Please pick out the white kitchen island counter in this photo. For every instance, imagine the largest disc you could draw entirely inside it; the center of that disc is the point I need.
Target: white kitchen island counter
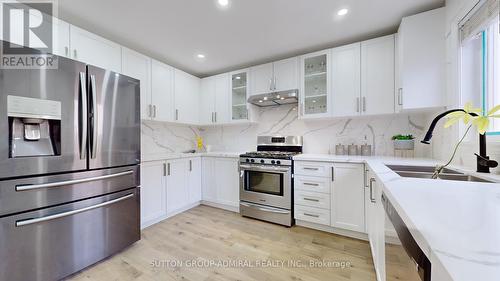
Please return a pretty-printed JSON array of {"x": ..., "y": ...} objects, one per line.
[{"x": 457, "y": 224}]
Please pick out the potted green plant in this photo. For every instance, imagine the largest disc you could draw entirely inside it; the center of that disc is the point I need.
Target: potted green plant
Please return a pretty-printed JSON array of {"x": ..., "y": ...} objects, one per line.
[{"x": 404, "y": 142}]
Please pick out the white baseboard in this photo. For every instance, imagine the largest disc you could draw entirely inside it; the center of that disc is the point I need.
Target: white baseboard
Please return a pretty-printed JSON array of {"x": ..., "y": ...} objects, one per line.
[
  {"x": 226, "y": 207},
  {"x": 325, "y": 228}
]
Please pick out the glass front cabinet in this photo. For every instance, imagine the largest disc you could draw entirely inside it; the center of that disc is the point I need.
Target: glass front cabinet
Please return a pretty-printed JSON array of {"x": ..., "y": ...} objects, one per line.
[
  {"x": 315, "y": 84},
  {"x": 239, "y": 93}
]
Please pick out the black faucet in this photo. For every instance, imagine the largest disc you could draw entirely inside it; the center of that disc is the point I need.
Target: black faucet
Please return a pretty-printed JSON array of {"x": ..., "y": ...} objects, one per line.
[{"x": 483, "y": 161}]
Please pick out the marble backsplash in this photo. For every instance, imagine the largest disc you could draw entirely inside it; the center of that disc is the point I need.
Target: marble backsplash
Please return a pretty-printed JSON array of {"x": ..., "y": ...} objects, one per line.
[{"x": 320, "y": 136}]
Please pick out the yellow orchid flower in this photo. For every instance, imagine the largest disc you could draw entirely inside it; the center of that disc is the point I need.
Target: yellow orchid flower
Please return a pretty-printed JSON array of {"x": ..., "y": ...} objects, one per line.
[{"x": 481, "y": 122}]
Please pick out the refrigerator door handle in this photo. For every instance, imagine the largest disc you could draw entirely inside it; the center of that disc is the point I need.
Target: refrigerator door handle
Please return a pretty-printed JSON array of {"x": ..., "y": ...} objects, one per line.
[
  {"x": 93, "y": 146},
  {"x": 74, "y": 212},
  {"x": 82, "y": 115}
]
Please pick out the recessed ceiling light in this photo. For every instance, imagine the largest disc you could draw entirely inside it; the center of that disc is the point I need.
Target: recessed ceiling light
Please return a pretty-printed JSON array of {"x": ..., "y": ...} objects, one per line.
[
  {"x": 200, "y": 56},
  {"x": 260, "y": 101},
  {"x": 265, "y": 98},
  {"x": 223, "y": 3},
  {"x": 342, "y": 12}
]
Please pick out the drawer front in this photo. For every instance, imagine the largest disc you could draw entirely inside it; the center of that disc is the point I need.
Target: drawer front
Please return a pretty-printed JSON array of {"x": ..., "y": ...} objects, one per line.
[
  {"x": 314, "y": 215},
  {"x": 312, "y": 199},
  {"x": 316, "y": 169},
  {"x": 314, "y": 184}
]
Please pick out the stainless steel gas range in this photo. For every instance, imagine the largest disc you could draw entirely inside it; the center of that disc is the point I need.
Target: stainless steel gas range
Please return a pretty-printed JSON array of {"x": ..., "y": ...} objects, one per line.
[{"x": 266, "y": 186}]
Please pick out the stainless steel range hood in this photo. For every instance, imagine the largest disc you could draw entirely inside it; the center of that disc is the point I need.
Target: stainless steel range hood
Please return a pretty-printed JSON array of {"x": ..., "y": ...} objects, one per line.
[{"x": 275, "y": 98}]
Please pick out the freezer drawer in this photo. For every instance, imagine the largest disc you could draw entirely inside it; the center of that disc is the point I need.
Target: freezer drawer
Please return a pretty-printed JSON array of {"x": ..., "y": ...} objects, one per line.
[
  {"x": 27, "y": 194},
  {"x": 52, "y": 243}
]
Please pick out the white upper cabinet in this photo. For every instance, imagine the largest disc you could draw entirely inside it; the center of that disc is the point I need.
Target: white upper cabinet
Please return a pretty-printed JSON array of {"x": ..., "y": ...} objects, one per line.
[
  {"x": 377, "y": 75},
  {"x": 161, "y": 107},
  {"x": 207, "y": 100},
  {"x": 61, "y": 45},
  {"x": 346, "y": 78},
  {"x": 421, "y": 61},
  {"x": 187, "y": 88},
  {"x": 274, "y": 77},
  {"x": 286, "y": 75},
  {"x": 262, "y": 79},
  {"x": 239, "y": 109},
  {"x": 315, "y": 98},
  {"x": 138, "y": 66},
  {"x": 222, "y": 98},
  {"x": 95, "y": 50}
]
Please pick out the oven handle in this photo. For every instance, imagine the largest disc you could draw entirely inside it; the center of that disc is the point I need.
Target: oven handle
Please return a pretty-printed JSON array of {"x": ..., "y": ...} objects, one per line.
[
  {"x": 74, "y": 212},
  {"x": 264, "y": 168},
  {"x": 264, "y": 209}
]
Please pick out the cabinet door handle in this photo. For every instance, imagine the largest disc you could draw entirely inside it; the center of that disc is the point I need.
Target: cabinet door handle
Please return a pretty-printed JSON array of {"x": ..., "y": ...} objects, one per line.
[
  {"x": 190, "y": 165},
  {"x": 310, "y": 184},
  {"x": 357, "y": 105},
  {"x": 271, "y": 84},
  {"x": 275, "y": 82},
  {"x": 66, "y": 51},
  {"x": 154, "y": 111},
  {"x": 176, "y": 115},
  {"x": 311, "y": 169},
  {"x": 74, "y": 53},
  {"x": 372, "y": 199},
  {"x": 215, "y": 116},
  {"x": 400, "y": 96},
  {"x": 311, "y": 215},
  {"x": 364, "y": 104},
  {"x": 310, "y": 199},
  {"x": 333, "y": 173},
  {"x": 150, "y": 110},
  {"x": 164, "y": 169}
]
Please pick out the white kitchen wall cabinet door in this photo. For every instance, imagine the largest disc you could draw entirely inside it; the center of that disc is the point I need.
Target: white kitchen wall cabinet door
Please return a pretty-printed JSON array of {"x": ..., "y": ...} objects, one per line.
[
  {"x": 286, "y": 74},
  {"x": 222, "y": 98},
  {"x": 239, "y": 110},
  {"x": 378, "y": 75},
  {"x": 61, "y": 37},
  {"x": 194, "y": 180},
  {"x": 93, "y": 49},
  {"x": 209, "y": 186},
  {"x": 348, "y": 197},
  {"x": 177, "y": 190},
  {"x": 346, "y": 80},
  {"x": 138, "y": 66},
  {"x": 161, "y": 106},
  {"x": 315, "y": 86},
  {"x": 153, "y": 193},
  {"x": 207, "y": 101},
  {"x": 227, "y": 181},
  {"x": 421, "y": 61},
  {"x": 186, "y": 91},
  {"x": 261, "y": 79}
]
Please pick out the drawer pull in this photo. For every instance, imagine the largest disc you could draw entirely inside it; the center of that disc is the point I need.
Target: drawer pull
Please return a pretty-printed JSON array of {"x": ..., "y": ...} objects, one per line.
[
  {"x": 311, "y": 184},
  {"x": 311, "y": 215},
  {"x": 311, "y": 169},
  {"x": 310, "y": 199}
]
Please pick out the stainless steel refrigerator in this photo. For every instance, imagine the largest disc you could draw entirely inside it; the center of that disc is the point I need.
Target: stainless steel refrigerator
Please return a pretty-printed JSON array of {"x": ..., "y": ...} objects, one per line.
[{"x": 69, "y": 169}]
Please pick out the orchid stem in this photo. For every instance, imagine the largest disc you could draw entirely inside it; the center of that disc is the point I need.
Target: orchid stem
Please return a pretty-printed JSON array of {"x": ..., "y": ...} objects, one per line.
[{"x": 439, "y": 169}]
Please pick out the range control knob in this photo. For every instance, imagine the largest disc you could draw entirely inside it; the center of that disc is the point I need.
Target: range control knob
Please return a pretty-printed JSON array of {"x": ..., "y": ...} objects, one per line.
[
  {"x": 278, "y": 162},
  {"x": 273, "y": 162},
  {"x": 262, "y": 161},
  {"x": 247, "y": 160},
  {"x": 252, "y": 160}
]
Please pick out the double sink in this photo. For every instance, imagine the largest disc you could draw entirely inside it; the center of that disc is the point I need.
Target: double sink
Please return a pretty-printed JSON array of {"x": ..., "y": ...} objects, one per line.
[{"x": 426, "y": 172}]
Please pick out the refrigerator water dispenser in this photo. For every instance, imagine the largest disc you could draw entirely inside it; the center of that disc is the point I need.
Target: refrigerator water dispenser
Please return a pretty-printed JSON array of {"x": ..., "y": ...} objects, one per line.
[{"x": 34, "y": 127}]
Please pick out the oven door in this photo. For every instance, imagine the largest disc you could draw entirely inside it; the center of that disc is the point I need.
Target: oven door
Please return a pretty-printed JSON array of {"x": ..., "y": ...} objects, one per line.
[{"x": 267, "y": 185}]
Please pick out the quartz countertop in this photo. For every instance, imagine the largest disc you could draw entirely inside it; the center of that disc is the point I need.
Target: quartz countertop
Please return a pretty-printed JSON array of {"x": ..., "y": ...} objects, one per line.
[
  {"x": 180, "y": 155},
  {"x": 457, "y": 224}
]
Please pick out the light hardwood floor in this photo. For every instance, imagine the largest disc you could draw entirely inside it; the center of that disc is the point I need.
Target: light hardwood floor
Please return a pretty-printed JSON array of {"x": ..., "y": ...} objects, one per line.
[{"x": 210, "y": 234}]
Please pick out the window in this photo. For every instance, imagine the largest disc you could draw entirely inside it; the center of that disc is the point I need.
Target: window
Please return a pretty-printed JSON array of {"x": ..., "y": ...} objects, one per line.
[{"x": 480, "y": 59}]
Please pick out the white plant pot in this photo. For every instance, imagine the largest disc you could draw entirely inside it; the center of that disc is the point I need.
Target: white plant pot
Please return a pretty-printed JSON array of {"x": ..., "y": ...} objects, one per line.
[{"x": 404, "y": 144}]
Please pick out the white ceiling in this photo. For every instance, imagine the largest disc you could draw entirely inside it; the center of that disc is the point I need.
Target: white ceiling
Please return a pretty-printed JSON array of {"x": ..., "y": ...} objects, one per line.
[{"x": 249, "y": 32}]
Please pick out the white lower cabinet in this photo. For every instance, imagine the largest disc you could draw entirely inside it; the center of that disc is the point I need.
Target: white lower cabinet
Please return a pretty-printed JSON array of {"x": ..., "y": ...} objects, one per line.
[
  {"x": 169, "y": 187},
  {"x": 221, "y": 181},
  {"x": 348, "y": 197},
  {"x": 375, "y": 224},
  {"x": 331, "y": 194},
  {"x": 153, "y": 193}
]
